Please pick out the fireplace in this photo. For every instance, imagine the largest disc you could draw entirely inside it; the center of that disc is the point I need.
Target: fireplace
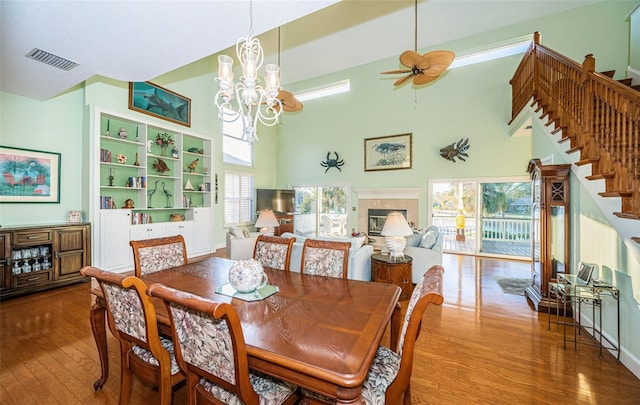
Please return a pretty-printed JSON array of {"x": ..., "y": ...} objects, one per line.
[{"x": 376, "y": 218}]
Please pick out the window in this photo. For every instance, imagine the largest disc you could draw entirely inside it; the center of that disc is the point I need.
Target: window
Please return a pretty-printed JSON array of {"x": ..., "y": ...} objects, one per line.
[
  {"x": 235, "y": 150},
  {"x": 238, "y": 198}
]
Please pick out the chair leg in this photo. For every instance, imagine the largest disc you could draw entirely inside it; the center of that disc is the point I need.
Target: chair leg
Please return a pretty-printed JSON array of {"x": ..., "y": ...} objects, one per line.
[
  {"x": 165, "y": 390},
  {"x": 407, "y": 395},
  {"x": 125, "y": 375}
]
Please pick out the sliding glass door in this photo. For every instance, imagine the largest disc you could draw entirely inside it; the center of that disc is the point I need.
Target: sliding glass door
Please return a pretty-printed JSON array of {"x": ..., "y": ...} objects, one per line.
[
  {"x": 321, "y": 211},
  {"x": 483, "y": 217}
]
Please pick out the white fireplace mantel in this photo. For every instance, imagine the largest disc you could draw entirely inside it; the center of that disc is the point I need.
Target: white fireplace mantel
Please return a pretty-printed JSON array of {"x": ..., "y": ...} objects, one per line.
[{"x": 388, "y": 193}]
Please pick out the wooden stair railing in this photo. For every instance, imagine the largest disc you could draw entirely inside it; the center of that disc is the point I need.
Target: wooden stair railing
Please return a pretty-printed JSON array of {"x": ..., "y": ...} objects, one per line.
[{"x": 598, "y": 115}]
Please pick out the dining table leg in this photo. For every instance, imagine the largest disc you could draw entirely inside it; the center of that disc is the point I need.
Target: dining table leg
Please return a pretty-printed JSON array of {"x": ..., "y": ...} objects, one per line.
[{"x": 100, "y": 335}]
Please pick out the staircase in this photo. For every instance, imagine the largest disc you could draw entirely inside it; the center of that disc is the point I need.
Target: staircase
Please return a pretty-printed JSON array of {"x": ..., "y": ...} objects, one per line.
[{"x": 598, "y": 118}]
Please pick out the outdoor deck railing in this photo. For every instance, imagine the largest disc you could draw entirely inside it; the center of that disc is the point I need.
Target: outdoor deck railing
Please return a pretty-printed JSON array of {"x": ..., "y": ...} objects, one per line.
[{"x": 496, "y": 229}]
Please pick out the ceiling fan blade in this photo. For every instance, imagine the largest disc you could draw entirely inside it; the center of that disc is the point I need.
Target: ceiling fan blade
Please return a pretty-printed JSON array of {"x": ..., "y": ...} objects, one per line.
[
  {"x": 402, "y": 80},
  {"x": 423, "y": 79},
  {"x": 410, "y": 58},
  {"x": 396, "y": 72},
  {"x": 289, "y": 102},
  {"x": 437, "y": 62}
]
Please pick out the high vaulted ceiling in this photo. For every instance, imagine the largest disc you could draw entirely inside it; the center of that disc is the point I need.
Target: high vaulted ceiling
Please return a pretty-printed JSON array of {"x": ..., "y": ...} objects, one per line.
[{"x": 139, "y": 40}]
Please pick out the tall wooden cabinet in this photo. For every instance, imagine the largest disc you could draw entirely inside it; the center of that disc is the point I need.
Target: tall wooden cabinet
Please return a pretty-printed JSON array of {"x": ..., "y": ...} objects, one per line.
[
  {"x": 37, "y": 258},
  {"x": 550, "y": 230}
]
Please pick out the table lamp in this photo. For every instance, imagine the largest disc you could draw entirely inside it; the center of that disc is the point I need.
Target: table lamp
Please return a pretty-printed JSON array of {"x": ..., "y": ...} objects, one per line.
[
  {"x": 394, "y": 230},
  {"x": 266, "y": 222}
]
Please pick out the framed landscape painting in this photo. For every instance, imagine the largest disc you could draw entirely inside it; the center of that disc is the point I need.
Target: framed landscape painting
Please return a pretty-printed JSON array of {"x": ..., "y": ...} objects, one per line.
[
  {"x": 388, "y": 152},
  {"x": 151, "y": 99},
  {"x": 29, "y": 176}
]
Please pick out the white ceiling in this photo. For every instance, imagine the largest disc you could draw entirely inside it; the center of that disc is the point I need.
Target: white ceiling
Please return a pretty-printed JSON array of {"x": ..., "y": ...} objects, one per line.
[{"x": 139, "y": 40}]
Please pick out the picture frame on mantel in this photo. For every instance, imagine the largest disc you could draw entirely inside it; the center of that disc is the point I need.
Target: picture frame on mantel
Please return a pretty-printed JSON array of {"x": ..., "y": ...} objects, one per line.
[
  {"x": 392, "y": 152},
  {"x": 154, "y": 100},
  {"x": 29, "y": 176}
]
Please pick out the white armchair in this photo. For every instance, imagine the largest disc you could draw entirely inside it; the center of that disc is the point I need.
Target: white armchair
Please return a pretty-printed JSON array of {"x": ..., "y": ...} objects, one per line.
[{"x": 240, "y": 247}]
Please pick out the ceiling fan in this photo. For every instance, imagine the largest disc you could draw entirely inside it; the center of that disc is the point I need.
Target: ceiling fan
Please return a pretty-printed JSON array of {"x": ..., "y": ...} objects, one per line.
[
  {"x": 422, "y": 68},
  {"x": 289, "y": 102}
]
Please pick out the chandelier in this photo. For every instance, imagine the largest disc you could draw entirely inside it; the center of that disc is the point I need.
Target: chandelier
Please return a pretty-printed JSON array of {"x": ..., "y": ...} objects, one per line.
[{"x": 253, "y": 102}]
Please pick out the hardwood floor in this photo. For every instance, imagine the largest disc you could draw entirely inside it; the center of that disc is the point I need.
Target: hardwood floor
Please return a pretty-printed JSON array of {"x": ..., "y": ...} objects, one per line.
[{"x": 480, "y": 347}]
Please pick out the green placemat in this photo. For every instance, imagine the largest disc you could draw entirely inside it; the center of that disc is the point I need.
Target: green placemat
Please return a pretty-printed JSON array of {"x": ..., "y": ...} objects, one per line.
[{"x": 259, "y": 294}]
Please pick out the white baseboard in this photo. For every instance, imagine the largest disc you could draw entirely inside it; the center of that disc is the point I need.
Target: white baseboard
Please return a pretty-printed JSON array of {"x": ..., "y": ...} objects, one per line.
[{"x": 627, "y": 359}]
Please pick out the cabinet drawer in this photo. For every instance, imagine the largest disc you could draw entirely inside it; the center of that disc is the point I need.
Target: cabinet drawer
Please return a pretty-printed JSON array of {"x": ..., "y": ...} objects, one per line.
[
  {"x": 29, "y": 238},
  {"x": 32, "y": 278}
]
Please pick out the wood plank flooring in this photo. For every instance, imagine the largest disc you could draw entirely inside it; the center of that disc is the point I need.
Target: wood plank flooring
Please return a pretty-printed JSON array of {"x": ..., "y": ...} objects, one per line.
[{"x": 480, "y": 347}]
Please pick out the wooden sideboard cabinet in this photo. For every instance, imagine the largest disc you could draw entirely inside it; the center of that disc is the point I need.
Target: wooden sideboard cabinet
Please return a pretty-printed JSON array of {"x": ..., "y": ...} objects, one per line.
[{"x": 37, "y": 258}]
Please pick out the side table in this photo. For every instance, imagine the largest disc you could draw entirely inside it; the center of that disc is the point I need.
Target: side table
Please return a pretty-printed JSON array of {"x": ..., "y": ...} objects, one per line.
[{"x": 398, "y": 272}]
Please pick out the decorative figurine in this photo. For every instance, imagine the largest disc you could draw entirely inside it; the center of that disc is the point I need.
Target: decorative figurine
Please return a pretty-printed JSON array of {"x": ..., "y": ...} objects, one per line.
[
  {"x": 456, "y": 150},
  {"x": 174, "y": 152},
  {"x": 329, "y": 163},
  {"x": 122, "y": 133},
  {"x": 110, "y": 177},
  {"x": 193, "y": 165},
  {"x": 188, "y": 186},
  {"x": 150, "y": 194},
  {"x": 149, "y": 143},
  {"x": 121, "y": 158},
  {"x": 128, "y": 203},
  {"x": 160, "y": 166},
  {"x": 205, "y": 170},
  {"x": 136, "y": 163},
  {"x": 168, "y": 194},
  {"x": 107, "y": 133}
]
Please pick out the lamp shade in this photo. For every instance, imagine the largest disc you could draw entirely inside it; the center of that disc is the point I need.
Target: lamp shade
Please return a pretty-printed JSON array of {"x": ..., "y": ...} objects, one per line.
[
  {"x": 266, "y": 219},
  {"x": 396, "y": 225}
]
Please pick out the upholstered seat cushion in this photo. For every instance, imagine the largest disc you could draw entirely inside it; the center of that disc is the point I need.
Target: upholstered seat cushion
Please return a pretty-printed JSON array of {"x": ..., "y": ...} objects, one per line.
[
  {"x": 270, "y": 390},
  {"x": 146, "y": 355},
  {"x": 383, "y": 371}
]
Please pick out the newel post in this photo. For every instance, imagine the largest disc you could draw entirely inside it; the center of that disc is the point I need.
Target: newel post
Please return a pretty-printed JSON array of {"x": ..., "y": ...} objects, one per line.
[{"x": 588, "y": 67}]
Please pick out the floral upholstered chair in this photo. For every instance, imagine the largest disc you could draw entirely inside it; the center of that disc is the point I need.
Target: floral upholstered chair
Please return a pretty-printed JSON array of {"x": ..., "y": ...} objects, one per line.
[
  {"x": 151, "y": 255},
  {"x": 325, "y": 258},
  {"x": 132, "y": 320},
  {"x": 210, "y": 349},
  {"x": 273, "y": 251},
  {"x": 390, "y": 374}
]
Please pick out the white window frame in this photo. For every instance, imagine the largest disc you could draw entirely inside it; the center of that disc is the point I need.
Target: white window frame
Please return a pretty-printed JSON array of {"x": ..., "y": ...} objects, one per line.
[
  {"x": 232, "y": 141},
  {"x": 237, "y": 197}
]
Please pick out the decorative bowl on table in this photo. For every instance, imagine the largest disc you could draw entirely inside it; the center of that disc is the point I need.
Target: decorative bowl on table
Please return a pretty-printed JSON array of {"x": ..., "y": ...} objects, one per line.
[{"x": 246, "y": 276}]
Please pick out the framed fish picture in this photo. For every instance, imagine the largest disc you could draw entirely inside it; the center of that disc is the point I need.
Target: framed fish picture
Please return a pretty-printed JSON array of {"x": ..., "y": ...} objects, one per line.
[
  {"x": 388, "y": 152},
  {"x": 151, "y": 99}
]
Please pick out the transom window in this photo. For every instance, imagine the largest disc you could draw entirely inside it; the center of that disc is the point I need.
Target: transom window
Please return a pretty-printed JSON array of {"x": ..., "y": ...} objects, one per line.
[{"x": 235, "y": 150}]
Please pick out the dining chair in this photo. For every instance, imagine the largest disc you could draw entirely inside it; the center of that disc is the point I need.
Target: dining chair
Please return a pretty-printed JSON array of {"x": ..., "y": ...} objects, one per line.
[
  {"x": 325, "y": 258},
  {"x": 151, "y": 255},
  {"x": 211, "y": 350},
  {"x": 389, "y": 377},
  {"x": 273, "y": 251},
  {"x": 132, "y": 320}
]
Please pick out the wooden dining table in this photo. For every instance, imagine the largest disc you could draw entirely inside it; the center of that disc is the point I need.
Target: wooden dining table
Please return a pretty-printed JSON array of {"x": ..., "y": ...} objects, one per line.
[{"x": 317, "y": 332}]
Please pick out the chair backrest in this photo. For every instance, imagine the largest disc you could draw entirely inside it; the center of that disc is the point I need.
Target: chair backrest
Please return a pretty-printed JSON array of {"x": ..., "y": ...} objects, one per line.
[
  {"x": 427, "y": 291},
  {"x": 208, "y": 341},
  {"x": 273, "y": 251},
  {"x": 325, "y": 258},
  {"x": 151, "y": 255},
  {"x": 131, "y": 315}
]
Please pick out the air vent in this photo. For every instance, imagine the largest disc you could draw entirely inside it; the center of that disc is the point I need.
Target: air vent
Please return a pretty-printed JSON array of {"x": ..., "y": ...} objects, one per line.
[{"x": 51, "y": 59}]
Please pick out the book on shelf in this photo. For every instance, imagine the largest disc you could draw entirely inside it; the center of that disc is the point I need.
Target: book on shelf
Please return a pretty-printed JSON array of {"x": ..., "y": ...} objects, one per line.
[
  {"x": 105, "y": 155},
  {"x": 141, "y": 218},
  {"x": 107, "y": 203}
]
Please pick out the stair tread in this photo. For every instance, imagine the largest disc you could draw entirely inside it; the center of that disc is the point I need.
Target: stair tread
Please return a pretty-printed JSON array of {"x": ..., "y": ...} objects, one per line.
[
  {"x": 608, "y": 73},
  {"x": 636, "y": 239},
  {"x": 615, "y": 194},
  {"x": 586, "y": 162},
  {"x": 626, "y": 82},
  {"x": 601, "y": 176},
  {"x": 628, "y": 215}
]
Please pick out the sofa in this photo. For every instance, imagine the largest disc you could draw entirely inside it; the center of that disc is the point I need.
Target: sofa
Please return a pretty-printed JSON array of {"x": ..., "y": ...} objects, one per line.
[
  {"x": 240, "y": 246},
  {"x": 426, "y": 250},
  {"x": 240, "y": 243}
]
